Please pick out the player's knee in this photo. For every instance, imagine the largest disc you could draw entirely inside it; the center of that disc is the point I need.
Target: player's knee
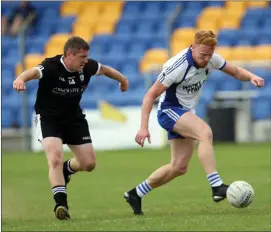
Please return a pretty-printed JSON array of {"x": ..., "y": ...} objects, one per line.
[
  {"x": 179, "y": 170},
  {"x": 55, "y": 162},
  {"x": 89, "y": 166},
  {"x": 207, "y": 134}
]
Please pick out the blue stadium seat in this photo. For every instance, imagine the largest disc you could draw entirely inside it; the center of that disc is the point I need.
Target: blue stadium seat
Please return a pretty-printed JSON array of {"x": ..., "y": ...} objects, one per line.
[
  {"x": 102, "y": 39},
  {"x": 226, "y": 42},
  {"x": 161, "y": 28},
  {"x": 133, "y": 7},
  {"x": 126, "y": 26},
  {"x": 250, "y": 35},
  {"x": 188, "y": 14},
  {"x": 13, "y": 53},
  {"x": 262, "y": 41},
  {"x": 264, "y": 32},
  {"x": 146, "y": 27},
  {"x": 64, "y": 24},
  {"x": 215, "y": 3},
  {"x": 36, "y": 50},
  {"x": 10, "y": 63},
  {"x": 129, "y": 15},
  {"x": 14, "y": 101},
  {"x": 129, "y": 98},
  {"x": 245, "y": 42},
  {"x": 90, "y": 100},
  {"x": 172, "y": 4},
  {"x": 110, "y": 61},
  {"x": 44, "y": 30},
  {"x": 117, "y": 47},
  {"x": 48, "y": 4},
  {"x": 123, "y": 37},
  {"x": 191, "y": 5},
  {"x": 201, "y": 109},
  {"x": 185, "y": 21},
  {"x": 32, "y": 96},
  {"x": 9, "y": 42},
  {"x": 266, "y": 23},
  {"x": 129, "y": 68},
  {"x": 153, "y": 7},
  {"x": 50, "y": 13},
  {"x": 159, "y": 43},
  {"x": 252, "y": 23},
  {"x": 228, "y": 37},
  {"x": 100, "y": 44},
  {"x": 32, "y": 85},
  {"x": 36, "y": 44},
  {"x": 18, "y": 121},
  {"x": 131, "y": 71},
  {"x": 147, "y": 37},
  {"x": 170, "y": 7},
  {"x": 151, "y": 17},
  {"x": 262, "y": 72},
  {"x": 230, "y": 85},
  {"x": 258, "y": 12},
  {"x": 216, "y": 77},
  {"x": 208, "y": 91},
  {"x": 7, "y": 81},
  {"x": 261, "y": 108},
  {"x": 10, "y": 4},
  {"x": 7, "y": 117},
  {"x": 137, "y": 48}
]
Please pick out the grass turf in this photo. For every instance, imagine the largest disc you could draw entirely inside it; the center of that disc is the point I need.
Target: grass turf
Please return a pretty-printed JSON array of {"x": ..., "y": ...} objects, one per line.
[{"x": 96, "y": 199}]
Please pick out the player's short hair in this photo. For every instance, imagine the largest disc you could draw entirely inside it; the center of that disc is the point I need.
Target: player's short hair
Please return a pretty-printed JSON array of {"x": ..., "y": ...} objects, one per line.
[
  {"x": 75, "y": 43},
  {"x": 206, "y": 38}
]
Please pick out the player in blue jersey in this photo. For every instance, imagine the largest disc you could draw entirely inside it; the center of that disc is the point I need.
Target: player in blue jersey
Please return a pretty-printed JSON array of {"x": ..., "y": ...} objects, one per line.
[{"x": 179, "y": 85}]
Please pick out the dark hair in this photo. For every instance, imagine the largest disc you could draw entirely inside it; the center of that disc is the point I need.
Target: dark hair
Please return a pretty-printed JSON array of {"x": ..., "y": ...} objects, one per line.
[{"x": 75, "y": 43}]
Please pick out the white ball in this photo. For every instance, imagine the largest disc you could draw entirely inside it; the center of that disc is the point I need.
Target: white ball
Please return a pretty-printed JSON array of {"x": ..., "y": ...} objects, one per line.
[{"x": 240, "y": 194}]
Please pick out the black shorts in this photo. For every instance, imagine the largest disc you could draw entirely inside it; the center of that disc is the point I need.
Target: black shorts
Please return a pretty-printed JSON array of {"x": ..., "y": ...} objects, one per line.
[{"x": 74, "y": 131}]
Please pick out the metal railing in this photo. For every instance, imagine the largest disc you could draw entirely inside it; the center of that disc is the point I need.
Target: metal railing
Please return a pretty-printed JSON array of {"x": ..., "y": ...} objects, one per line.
[{"x": 24, "y": 99}]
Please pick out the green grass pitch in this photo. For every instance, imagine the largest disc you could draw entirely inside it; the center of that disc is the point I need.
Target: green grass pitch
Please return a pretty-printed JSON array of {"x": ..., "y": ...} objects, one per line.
[{"x": 96, "y": 199}]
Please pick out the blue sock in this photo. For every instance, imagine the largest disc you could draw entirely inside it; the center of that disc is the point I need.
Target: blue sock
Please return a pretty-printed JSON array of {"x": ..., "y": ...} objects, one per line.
[
  {"x": 214, "y": 179},
  {"x": 143, "y": 188}
]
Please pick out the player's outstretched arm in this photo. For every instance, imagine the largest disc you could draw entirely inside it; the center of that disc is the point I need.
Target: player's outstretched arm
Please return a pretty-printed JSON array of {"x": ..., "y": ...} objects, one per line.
[
  {"x": 243, "y": 75},
  {"x": 114, "y": 74},
  {"x": 30, "y": 74},
  {"x": 155, "y": 91}
]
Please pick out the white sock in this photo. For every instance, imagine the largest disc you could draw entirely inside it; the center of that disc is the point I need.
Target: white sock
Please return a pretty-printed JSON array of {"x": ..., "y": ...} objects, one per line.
[
  {"x": 143, "y": 188},
  {"x": 214, "y": 179}
]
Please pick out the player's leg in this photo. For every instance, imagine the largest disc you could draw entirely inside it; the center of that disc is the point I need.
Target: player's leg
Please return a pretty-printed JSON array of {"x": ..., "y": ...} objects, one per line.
[
  {"x": 191, "y": 126},
  {"x": 15, "y": 26},
  {"x": 85, "y": 158},
  {"x": 78, "y": 139},
  {"x": 4, "y": 24},
  {"x": 49, "y": 134},
  {"x": 181, "y": 152},
  {"x": 53, "y": 149}
]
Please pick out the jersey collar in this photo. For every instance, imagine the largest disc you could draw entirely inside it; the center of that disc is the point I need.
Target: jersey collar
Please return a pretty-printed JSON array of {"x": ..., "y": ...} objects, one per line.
[
  {"x": 189, "y": 57},
  {"x": 62, "y": 61}
]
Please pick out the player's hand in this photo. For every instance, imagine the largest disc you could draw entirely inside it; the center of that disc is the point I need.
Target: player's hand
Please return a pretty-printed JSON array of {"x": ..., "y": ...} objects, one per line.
[
  {"x": 257, "y": 81},
  {"x": 19, "y": 85},
  {"x": 142, "y": 134},
  {"x": 124, "y": 85}
]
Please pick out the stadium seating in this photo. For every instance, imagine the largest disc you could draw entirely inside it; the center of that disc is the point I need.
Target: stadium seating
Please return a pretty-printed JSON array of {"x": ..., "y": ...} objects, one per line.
[{"x": 132, "y": 37}]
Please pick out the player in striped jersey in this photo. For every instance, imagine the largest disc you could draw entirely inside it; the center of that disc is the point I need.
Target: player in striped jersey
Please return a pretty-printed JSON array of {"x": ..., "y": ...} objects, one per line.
[{"x": 179, "y": 85}]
